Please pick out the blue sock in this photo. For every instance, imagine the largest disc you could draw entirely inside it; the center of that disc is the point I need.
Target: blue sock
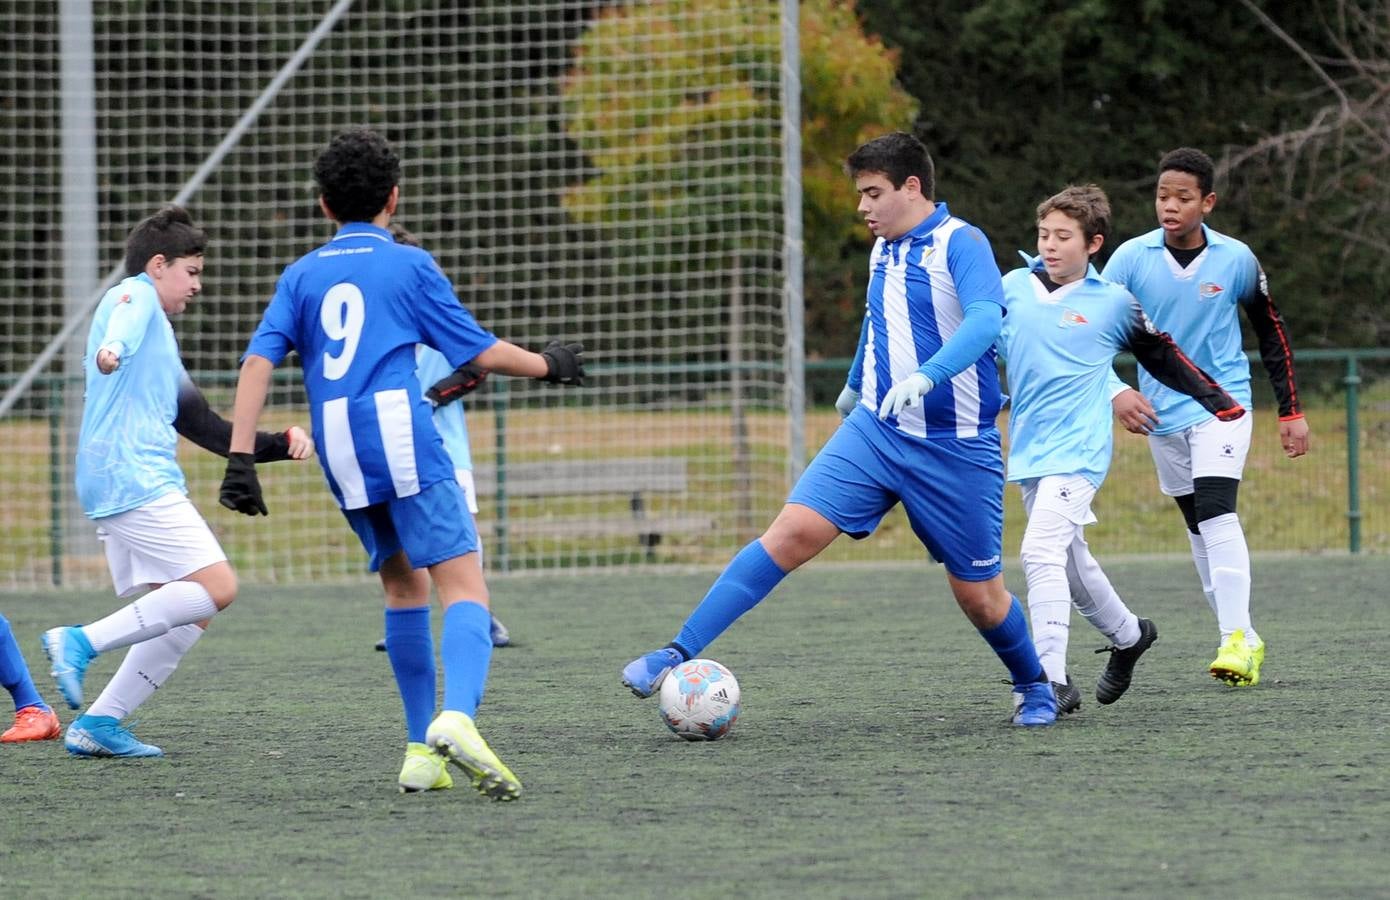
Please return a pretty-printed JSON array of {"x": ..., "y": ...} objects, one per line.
[
  {"x": 14, "y": 674},
  {"x": 750, "y": 576},
  {"x": 1011, "y": 640},
  {"x": 410, "y": 647},
  {"x": 466, "y": 648}
]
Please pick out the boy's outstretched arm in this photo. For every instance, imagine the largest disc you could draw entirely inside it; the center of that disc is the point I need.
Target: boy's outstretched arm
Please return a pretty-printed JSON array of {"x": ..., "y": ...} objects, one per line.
[
  {"x": 558, "y": 363},
  {"x": 241, "y": 490},
  {"x": 200, "y": 423}
]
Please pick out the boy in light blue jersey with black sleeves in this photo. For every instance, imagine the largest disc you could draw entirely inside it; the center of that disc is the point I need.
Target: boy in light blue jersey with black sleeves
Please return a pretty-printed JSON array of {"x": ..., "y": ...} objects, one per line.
[
  {"x": 1191, "y": 280},
  {"x": 922, "y": 398},
  {"x": 1059, "y": 340},
  {"x": 355, "y": 309},
  {"x": 139, "y": 398}
]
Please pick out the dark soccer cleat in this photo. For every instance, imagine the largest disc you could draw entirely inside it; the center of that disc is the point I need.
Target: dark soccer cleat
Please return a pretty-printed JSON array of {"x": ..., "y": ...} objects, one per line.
[
  {"x": 1114, "y": 681},
  {"x": 1068, "y": 697}
]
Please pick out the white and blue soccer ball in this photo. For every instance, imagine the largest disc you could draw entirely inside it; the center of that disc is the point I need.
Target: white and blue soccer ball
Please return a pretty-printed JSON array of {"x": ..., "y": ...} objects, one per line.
[{"x": 700, "y": 700}]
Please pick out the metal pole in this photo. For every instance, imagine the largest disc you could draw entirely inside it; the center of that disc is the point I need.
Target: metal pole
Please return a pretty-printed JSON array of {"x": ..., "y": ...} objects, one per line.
[
  {"x": 793, "y": 304},
  {"x": 1353, "y": 379},
  {"x": 81, "y": 252},
  {"x": 500, "y": 402}
]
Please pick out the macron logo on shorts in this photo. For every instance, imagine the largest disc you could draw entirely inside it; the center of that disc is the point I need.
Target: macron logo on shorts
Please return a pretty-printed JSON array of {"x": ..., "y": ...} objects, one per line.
[{"x": 984, "y": 563}]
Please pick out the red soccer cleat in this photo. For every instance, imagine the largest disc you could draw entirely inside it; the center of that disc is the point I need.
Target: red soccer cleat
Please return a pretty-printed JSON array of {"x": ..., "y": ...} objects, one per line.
[{"x": 33, "y": 723}]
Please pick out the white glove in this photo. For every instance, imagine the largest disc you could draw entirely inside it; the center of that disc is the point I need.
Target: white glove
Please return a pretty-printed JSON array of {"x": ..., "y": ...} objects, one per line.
[
  {"x": 908, "y": 392},
  {"x": 847, "y": 401}
]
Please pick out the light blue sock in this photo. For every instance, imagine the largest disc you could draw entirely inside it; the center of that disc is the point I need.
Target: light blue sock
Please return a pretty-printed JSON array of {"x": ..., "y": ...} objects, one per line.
[
  {"x": 1011, "y": 640},
  {"x": 14, "y": 673},
  {"x": 750, "y": 576},
  {"x": 466, "y": 649},
  {"x": 410, "y": 647}
]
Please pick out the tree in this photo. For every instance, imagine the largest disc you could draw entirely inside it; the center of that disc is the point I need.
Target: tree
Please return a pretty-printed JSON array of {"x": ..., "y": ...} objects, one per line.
[
  {"x": 1020, "y": 97},
  {"x": 674, "y": 103}
]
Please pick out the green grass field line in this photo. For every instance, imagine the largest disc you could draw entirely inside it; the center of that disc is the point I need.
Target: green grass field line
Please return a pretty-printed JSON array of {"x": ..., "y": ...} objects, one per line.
[{"x": 871, "y": 760}]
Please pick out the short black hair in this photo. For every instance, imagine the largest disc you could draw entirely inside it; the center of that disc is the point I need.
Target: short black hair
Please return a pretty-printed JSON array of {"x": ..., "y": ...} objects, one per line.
[
  {"x": 170, "y": 233},
  {"x": 898, "y": 156},
  {"x": 1194, "y": 162},
  {"x": 356, "y": 173}
]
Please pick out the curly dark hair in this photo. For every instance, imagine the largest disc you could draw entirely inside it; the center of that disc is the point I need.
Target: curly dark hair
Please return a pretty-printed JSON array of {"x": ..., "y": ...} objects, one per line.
[
  {"x": 356, "y": 174},
  {"x": 1194, "y": 162},
  {"x": 170, "y": 233},
  {"x": 897, "y": 155}
]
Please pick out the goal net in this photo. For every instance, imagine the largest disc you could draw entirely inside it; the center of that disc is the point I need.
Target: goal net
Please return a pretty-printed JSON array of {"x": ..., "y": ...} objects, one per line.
[{"x": 596, "y": 171}]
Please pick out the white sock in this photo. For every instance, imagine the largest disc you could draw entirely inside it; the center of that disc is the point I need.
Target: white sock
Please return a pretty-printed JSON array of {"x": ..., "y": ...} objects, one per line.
[
  {"x": 1096, "y": 598},
  {"x": 1230, "y": 571},
  {"x": 146, "y": 667},
  {"x": 1049, "y": 603},
  {"x": 177, "y": 603},
  {"x": 1199, "y": 559}
]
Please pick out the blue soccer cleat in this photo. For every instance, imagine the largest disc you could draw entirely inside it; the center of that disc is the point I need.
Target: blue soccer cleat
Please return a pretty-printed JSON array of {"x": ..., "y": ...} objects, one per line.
[
  {"x": 103, "y": 736},
  {"x": 500, "y": 636},
  {"x": 645, "y": 674},
  {"x": 1034, "y": 704},
  {"x": 68, "y": 649}
]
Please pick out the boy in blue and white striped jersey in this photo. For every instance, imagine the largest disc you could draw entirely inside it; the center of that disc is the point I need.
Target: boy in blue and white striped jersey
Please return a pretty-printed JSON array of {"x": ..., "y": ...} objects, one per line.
[
  {"x": 920, "y": 405},
  {"x": 1059, "y": 340}
]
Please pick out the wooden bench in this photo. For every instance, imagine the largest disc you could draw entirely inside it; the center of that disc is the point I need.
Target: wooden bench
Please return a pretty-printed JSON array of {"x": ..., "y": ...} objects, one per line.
[{"x": 633, "y": 477}]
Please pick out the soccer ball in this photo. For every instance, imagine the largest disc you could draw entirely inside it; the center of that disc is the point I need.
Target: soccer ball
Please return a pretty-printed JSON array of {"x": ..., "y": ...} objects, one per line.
[{"x": 700, "y": 700}]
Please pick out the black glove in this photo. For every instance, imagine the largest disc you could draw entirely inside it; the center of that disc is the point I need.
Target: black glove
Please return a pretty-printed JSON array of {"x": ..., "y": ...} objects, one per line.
[
  {"x": 564, "y": 363},
  {"x": 241, "y": 490},
  {"x": 463, "y": 380}
]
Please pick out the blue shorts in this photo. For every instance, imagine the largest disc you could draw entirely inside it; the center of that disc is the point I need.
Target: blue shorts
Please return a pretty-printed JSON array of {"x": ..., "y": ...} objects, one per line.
[
  {"x": 431, "y": 526},
  {"x": 951, "y": 489}
]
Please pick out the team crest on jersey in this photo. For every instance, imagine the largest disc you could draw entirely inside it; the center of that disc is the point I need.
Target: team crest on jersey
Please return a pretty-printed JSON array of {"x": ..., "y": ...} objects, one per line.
[
  {"x": 1209, "y": 290},
  {"x": 124, "y": 298},
  {"x": 1071, "y": 319}
]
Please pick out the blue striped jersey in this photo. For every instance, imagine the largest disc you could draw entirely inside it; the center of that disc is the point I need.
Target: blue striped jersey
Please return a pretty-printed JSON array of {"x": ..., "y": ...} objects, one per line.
[
  {"x": 127, "y": 446},
  {"x": 1197, "y": 305},
  {"x": 354, "y": 309},
  {"x": 919, "y": 286}
]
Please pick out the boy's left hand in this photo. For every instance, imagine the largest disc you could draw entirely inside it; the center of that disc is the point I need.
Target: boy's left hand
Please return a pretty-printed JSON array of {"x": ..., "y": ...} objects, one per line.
[
  {"x": 301, "y": 444},
  {"x": 241, "y": 489}
]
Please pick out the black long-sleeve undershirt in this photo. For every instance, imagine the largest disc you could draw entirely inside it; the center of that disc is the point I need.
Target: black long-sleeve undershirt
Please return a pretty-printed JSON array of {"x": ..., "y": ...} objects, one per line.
[{"x": 197, "y": 421}]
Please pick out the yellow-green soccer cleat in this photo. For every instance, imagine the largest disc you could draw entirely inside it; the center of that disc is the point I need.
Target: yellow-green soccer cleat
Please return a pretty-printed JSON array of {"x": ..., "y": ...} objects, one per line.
[
  {"x": 1238, "y": 661},
  {"x": 424, "y": 770},
  {"x": 454, "y": 737}
]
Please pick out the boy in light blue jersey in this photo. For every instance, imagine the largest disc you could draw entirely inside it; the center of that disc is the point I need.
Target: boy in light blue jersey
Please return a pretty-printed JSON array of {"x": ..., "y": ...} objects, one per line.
[
  {"x": 1190, "y": 280},
  {"x": 1059, "y": 340},
  {"x": 920, "y": 406},
  {"x": 355, "y": 309},
  {"x": 139, "y": 398}
]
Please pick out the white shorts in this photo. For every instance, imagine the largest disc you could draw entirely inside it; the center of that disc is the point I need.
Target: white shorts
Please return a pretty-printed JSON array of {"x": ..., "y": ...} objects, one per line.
[
  {"x": 163, "y": 541},
  {"x": 470, "y": 493},
  {"x": 1069, "y": 496},
  {"x": 1210, "y": 449}
]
